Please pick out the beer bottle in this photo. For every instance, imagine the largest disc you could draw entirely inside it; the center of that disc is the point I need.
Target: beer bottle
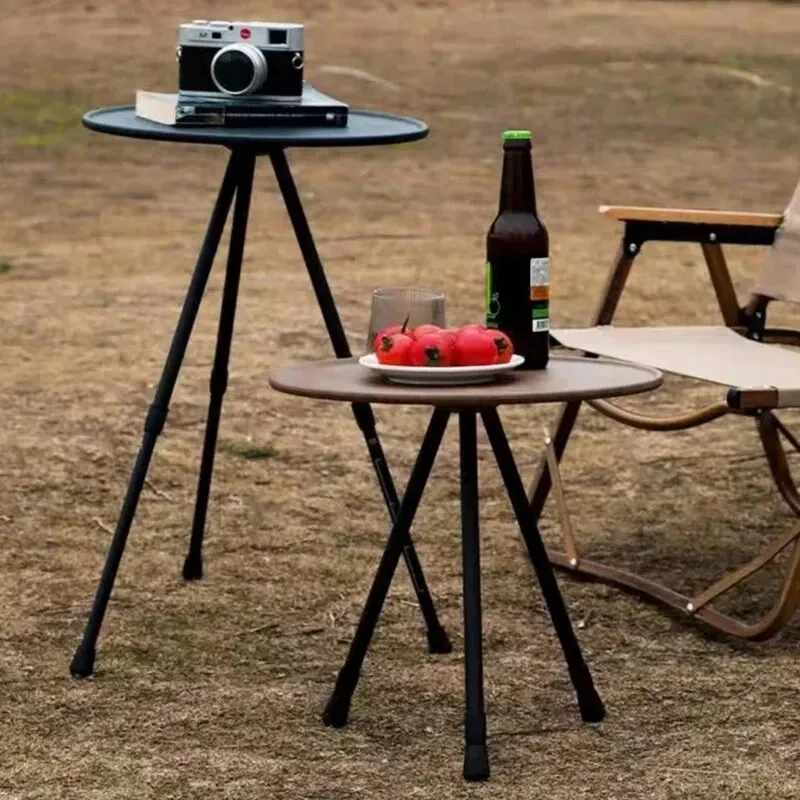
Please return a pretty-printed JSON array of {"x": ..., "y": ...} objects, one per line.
[{"x": 517, "y": 258}]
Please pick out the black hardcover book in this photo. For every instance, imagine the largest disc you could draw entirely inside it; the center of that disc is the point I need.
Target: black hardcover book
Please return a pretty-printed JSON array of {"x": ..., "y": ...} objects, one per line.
[{"x": 183, "y": 109}]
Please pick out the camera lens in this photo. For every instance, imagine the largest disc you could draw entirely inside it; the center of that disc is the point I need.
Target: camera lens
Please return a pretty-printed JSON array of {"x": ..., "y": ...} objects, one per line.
[{"x": 239, "y": 69}]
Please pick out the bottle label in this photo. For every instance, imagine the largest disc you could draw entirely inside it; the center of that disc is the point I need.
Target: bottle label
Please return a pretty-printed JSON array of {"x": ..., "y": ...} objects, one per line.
[
  {"x": 517, "y": 295},
  {"x": 540, "y": 294}
]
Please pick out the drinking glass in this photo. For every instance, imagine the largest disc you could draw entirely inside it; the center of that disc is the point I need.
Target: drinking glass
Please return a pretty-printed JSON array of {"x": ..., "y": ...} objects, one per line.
[{"x": 393, "y": 306}]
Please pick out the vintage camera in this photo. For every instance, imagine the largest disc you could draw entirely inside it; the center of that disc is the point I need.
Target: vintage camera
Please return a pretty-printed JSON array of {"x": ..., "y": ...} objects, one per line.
[{"x": 243, "y": 60}]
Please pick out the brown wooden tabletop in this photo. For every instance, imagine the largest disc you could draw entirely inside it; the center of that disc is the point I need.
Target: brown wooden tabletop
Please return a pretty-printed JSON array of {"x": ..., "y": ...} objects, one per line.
[{"x": 565, "y": 378}]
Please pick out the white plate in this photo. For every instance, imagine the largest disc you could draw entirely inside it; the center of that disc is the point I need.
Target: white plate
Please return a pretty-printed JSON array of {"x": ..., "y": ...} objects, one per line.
[{"x": 439, "y": 376}]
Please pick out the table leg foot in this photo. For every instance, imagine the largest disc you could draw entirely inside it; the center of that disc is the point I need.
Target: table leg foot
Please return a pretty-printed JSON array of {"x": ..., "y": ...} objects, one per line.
[
  {"x": 476, "y": 762},
  {"x": 438, "y": 641},
  {"x": 82, "y": 665},
  {"x": 193, "y": 567},
  {"x": 590, "y": 704},
  {"x": 337, "y": 710}
]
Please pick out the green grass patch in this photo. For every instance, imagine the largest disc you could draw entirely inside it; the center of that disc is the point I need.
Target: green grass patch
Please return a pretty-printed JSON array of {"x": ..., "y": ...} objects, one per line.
[
  {"x": 5, "y": 267},
  {"x": 248, "y": 451},
  {"x": 37, "y": 120}
]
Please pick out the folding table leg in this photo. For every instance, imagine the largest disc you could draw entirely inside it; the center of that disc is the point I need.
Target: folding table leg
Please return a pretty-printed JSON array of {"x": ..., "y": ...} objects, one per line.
[
  {"x": 83, "y": 661},
  {"x": 338, "y": 707},
  {"x": 589, "y": 702},
  {"x": 193, "y": 564},
  {"x": 438, "y": 641},
  {"x": 476, "y": 758}
]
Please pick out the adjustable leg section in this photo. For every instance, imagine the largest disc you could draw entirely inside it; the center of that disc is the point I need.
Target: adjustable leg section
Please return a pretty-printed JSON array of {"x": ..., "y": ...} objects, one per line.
[
  {"x": 338, "y": 707},
  {"x": 438, "y": 641},
  {"x": 589, "y": 702},
  {"x": 476, "y": 757},
  {"x": 83, "y": 662},
  {"x": 193, "y": 565}
]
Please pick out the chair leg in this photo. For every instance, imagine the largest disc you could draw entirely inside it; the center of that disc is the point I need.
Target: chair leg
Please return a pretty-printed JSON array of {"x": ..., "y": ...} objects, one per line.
[
  {"x": 788, "y": 435},
  {"x": 698, "y": 607},
  {"x": 786, "y": 606},
  {"x": 193, "y": 564},
  {"x": 589, "y": 702},
  {"x": 766, "y": 627},
  {"x": 723, "y": 286},
  {"x": 543, "y": 481}
]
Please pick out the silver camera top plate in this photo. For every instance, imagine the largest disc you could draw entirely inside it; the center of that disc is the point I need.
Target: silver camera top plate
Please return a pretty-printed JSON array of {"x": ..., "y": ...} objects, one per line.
[{"x": 263, "y": 35}]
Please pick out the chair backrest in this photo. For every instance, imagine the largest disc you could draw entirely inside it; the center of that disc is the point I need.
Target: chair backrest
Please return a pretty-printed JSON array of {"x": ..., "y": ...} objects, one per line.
[{"x": 780, "y": 273}]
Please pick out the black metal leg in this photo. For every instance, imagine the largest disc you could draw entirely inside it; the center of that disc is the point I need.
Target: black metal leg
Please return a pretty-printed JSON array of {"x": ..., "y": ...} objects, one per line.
[
  {"x": 476, "y": 758},
  {"x": 438, "y": 641},
  {"x": 338, "y": 707},
  {"x": 193, "y": 565},
  {"x": 83, "y": 661},
  {"x": 589, "y": 702}
]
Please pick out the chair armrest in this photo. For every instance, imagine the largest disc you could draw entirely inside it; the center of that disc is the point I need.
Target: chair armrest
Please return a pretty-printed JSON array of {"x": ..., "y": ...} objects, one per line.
[
  {"x": 742, "y": 399},
  {"x": 691, "y": 216}
]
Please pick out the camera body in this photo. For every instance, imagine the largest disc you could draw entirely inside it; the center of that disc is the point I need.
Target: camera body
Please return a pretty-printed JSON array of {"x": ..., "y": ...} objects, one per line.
[{"x": 254, "y": 61}]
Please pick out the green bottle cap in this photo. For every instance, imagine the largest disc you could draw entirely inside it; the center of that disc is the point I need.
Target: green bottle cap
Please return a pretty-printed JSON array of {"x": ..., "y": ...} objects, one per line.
[{"x": 509, "y": 136}]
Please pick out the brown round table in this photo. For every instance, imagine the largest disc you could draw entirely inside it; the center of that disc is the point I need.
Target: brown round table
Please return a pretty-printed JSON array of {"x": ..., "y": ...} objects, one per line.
[{"x": 566, "y": 378}]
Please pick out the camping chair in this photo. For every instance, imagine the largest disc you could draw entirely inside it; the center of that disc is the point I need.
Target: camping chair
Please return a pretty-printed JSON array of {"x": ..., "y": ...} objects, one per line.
[{"x": 759, "y": 379}]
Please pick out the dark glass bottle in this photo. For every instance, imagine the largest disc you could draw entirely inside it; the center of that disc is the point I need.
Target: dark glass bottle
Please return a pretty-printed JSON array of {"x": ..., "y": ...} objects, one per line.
[{"x": 518, "y": 258}]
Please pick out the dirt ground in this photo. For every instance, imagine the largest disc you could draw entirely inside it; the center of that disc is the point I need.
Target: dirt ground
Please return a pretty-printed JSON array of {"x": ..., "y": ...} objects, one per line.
[{"x": 215, "y": 689}]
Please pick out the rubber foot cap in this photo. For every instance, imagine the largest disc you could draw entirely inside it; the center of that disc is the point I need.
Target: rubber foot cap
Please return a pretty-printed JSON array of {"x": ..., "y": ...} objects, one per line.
[{"x": 476, "y": 763}]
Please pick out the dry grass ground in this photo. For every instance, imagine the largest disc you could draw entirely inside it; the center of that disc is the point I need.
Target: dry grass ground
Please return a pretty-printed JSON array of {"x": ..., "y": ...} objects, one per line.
[{"x": 215, "y": 689}]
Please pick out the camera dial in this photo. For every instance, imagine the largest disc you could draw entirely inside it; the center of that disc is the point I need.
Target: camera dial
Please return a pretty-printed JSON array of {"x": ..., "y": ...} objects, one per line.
[{"x": 238, "y": 69}]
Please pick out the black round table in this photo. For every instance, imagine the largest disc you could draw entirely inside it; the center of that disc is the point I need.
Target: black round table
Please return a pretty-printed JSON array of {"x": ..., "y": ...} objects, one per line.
[{"x": 364, "y": 128}]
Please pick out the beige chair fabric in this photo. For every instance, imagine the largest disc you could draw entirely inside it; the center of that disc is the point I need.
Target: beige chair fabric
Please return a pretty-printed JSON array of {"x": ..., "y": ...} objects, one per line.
[
  {"x": 708, "y": 353},
  {"x": 780, "y": 275}
]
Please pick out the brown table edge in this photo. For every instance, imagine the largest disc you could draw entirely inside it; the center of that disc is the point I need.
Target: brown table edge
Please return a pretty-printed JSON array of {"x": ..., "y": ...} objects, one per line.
[{"x": 655, "y": 382}]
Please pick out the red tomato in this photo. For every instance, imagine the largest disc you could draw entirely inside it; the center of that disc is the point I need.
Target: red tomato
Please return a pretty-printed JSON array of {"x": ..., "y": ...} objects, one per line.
[
  {"x": 473, "y": 326},
  {"x": 421, "y": 330},
  {"x": 451, "y": 335},
  {"x": 432, "y": 350},
  {"x": 503, "y": 345},
  {"x": 474, "y": 348},
  {"x": 394, "y": 349},
  {"x": 390, "y": 331}
]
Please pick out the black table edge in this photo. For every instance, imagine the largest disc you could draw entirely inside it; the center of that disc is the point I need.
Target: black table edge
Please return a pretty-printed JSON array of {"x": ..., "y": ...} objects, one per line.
[{"x": 194, "y": 135}]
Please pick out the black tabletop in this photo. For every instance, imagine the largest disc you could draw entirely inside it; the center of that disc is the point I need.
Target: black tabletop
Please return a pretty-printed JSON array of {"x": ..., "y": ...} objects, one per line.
[{"x": 363, "y": 128}]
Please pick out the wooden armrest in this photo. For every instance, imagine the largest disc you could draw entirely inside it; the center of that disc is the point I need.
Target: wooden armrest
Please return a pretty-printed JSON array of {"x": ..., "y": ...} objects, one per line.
[
  {"x": 743, "y": 399},
  {"x": 691, "y": 215}
]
